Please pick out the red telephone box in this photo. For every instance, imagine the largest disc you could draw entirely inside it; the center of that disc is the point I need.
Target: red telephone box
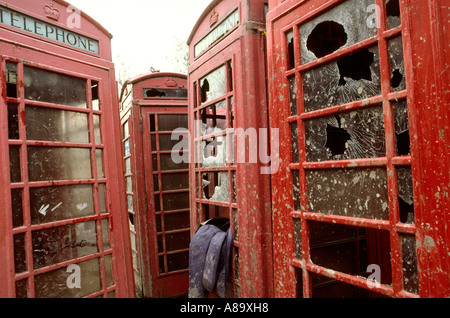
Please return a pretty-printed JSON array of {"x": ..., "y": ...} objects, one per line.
[
  {"x": 228, "y": 123},
  {"x": 61, "y": 232},
  {"x": 359, "y": 95},
  {"x": 154, "y": 120}
]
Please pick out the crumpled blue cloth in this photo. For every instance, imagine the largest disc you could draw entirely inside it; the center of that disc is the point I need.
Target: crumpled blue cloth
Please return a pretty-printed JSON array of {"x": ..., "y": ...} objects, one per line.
[{"x": 209, "y": 259}]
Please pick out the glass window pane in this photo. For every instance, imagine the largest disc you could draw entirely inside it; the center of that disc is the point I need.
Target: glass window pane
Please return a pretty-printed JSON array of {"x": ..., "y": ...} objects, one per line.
[
  {"x": 352, "y": 135},
  {"x": 13, "y": 121},
  {"x": 97, "y": 130},
  {"x": 17, "y": 208},
  {"x": 58, "y": 203},
  {"x": 176, "y": 221},
  {"x": 350, "y": 78},
  {"x": 177, "y": 241},
  {"x": 99, "y": 156},
  {"x": 393, "y": 13},
  {"x": 14, "y": 163},
  {"x": 410, "y": 271},
  {"x": 402, "y": 128},
  {"x": 20, "y": 261},
  {"x": 45, "y": 86},
  {"x": 358, "y": 193},
  {"x": 55, "y": 284},
  {"x": 63, "y": 243},
  {"x": 11, "y": 80},
  {"x": 168, "y": 164},
  {"x": 56, "y": 125},
  {"x": 176, "y": 201},
  {"x": 177, "y": 261},
  {"x": 101, "y": 190},
  {"x": 50, "y": 163},
  {"x": 175, "y": 181},
  {"x": 172, "y": 122},
  {"x": 213, "y": 85},
  {"x": 405, "y": 194},
  {"x": 105, "y": 234},
  {"x": 395, "y": 49},
  {"x": 346, "y": 24}
]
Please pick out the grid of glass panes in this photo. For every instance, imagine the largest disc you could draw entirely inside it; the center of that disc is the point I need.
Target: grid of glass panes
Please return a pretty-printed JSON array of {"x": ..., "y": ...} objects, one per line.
[
  {"x": 57, "y": 185},
  {"x": 351, "y": 162},
  {"x": 171, "y": 191},
  {"x": 214, "y": 145}
]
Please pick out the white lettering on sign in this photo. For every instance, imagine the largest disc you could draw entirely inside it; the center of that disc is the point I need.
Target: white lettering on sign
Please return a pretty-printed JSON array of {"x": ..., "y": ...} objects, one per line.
[{"x": 49, "y": 31}]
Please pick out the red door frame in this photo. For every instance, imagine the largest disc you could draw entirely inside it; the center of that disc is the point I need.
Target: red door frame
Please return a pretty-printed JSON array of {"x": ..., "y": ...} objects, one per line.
[
  {"x": 32, "y": 50},
  {"x": 425, "y": 47},
  {"x": 136, "y": 109},
  {"x": 248, "y": 206}
]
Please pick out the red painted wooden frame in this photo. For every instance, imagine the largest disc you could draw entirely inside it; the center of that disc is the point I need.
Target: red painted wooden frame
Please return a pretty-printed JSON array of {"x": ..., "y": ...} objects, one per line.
[{"x": 425, "y": 55}]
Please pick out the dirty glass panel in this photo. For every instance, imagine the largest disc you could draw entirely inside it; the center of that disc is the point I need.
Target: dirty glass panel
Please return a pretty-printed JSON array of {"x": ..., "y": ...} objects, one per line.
[
  {"x": 346, "y": 24},
  {"x": 401, "y": 122},
  {"x": 410, "y": 272},
  {"x": 234, "y": 215},
  {"x": 395, "y": 50},
  {"x": 177, "y": 241},
  {"x": 393, "y": 13},
  {"x": 11, "y": 80},
  {"x": 45, "y": 86},
  {"x": 172, "y": 122},
  {"x": 355, "y": 192},
  {"x": 20, "y": 261},
  {"x": 157, "y": 203},
  {"x": 14, "y": 163},
  {"x": 234, "y": 188},
  {"x": 99, "y": 158},
  {"x": 176, "y": 201},
  {"x": 63, "y": 243},
  {"x": 296, "y": 189},
  {"x": 168, "y": 141},
  {"x": 97, "y": 130},
  {"x": 176, "y": 221},
  {"x": 405, "y": 194},
  {"x": 350, "y": 78},
  {"x": 102, "y": 198},
  {"x": 13, "y": 121},
  {"x": 17, "y": 208},
  {"x": 22, "y": 288},
  {"x": 108, "y": 270},
  {"x": 297, "y": 226},
  {"x": 56, "y": 125},
  {"x": 105, "y": 234},
  {"x": 177, "y": 261},
  {"x": 56, "y": 203},
  {"x": 293, "y": 95},
  {"x": 294, "y": 142},
  {"x": 51, "y": 163},
  {"x": 175, "y": 181},
  {"x": 213, "y": 85},
  {"x": 55, "y": 284},
  {"x": 168, "y": 164},
  {"x": 352, "y": 135}
]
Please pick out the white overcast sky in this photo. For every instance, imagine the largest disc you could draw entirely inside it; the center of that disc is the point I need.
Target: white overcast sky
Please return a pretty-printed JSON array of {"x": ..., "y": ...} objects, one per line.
[{"x": 145, "y": 32}]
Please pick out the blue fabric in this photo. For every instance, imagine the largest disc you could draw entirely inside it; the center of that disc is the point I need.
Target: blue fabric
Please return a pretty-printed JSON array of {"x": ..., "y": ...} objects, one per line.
[{"x": 209, "y": 260}]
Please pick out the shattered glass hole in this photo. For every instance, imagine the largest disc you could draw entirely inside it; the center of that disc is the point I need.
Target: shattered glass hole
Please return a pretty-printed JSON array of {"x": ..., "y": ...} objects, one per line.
[
  {"x": 290, "y": 47},
  {"x": 403, "y": 143},
  {"x": 350, "y": 78},
  {"x": 327, "y": 37},
  {"x": 405, "y": 195},
  {"x": 392, "y": 13},
  {"x": 351, "y": 135},
  {"x": 395, "y": 48}
]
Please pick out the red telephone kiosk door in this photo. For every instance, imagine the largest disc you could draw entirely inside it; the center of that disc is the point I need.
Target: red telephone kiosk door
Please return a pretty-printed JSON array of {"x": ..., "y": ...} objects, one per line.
[
  {"x": 61, "y": 203},
  {"x": 360, "y": 200}
]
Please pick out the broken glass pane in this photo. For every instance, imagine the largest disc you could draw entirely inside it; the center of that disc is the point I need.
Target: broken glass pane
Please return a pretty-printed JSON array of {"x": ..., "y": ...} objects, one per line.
[
  {"x": 290, "y": 47},
  {"x": 401, "y": 123},
  {"x": 213, "y": 85},
  {"x": 213, "y": 118},
  {"x": 50, "y": 204},
  {"x": 410, "y": 273},
  {"x": 350, "y": 78},
  {"x": 395, "y": 49},
  {"x": 351, "y": 135},
  {"x": 56, "y": 125},
  {"x": 214, "y": 152},
  {"x": 45, "y": 86},
  {"x": 346, "y": 24},
  {"x": 222, "y": 189},
  {"x": 360, "y": 193},
  {"x": 392, "y": 13},
  {"x": 405, "y": 194},
  {"x": 11, "y": 80}
]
